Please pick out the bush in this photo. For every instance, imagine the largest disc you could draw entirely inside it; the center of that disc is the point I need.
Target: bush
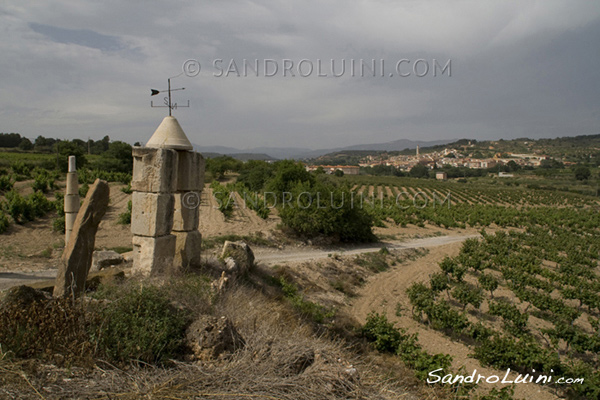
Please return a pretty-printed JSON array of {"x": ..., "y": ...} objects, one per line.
[
  {"x": 3, "y": 222},
  {"x": 125, "y": 218},
  {"x": 314, "y": 311},
  {"x": 388, "y": 339},
  {"x": 141, "y": 325},
  {"x": 23, "y": 209},
  {"x": 6, "y": 183},
  {"x": 326, "y": 210},
  {"x": 20, "y": 168},
  {"x": 43, "y": 181},
  {"x": 224, "y": 198},
  {"x": 58, "y": 225}
]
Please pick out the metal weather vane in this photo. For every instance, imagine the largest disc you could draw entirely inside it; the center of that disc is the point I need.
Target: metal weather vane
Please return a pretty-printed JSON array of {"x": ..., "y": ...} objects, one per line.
[{"x": 167, "y": 99}]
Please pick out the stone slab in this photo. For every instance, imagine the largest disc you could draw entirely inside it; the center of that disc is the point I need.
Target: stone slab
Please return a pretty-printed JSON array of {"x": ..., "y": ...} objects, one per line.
[
  {"x": 190, "y": 172},
  {"x": 151, "y": 214},
  {"x": 187, "y": 250},
  {"x": 154, "y": 170},
  {"x": 153, "y": 256},
  {"x": 186, "y": 213}
]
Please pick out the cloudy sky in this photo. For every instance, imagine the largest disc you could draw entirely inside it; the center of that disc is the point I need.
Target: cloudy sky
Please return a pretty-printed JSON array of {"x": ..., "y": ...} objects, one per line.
[{"x": 517, "y": 69}]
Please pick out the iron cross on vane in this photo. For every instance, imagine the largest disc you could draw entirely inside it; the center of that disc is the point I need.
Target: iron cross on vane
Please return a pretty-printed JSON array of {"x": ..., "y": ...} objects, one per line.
[{"x": 167, "y": 100}]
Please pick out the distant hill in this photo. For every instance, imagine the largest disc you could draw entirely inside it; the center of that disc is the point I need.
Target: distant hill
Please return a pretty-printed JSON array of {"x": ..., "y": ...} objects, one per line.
[
  {"x": 240, "y": 156},
  {"x": 304, "y": 153}
]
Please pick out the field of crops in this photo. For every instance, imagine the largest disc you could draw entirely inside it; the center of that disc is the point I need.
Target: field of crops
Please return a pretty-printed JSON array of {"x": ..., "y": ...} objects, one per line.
[{"x": 527, "y": 299}]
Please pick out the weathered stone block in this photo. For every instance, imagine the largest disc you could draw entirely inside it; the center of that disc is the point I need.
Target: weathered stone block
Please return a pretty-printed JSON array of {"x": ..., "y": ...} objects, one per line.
[
  {"x": 71, "y": 203},
  {"x": 72, "y": 183},
  {"x": 70, "y": 219},
  {"x": 151, "y": 214},
  {"x": 190, "y": 172},
  {"x": 153, "y": 255},
  {"x": 154, "y": 170},
  {"x": 238, "y": 256},
  {"x": 187, "y": 250},
  {"x": 105, "y": 258},
  {"x": 186, "y": 212},
  {"x": 77, "y": 256}
]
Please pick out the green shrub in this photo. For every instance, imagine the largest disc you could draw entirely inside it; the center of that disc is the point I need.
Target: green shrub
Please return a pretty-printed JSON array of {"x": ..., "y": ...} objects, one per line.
[
  {"x": 140, "y": 324},
  {"x": 6, "y": 183},
  {"x": 314, "y": 311},
  {"x": 224, "y": 198},
  {"x": 58, "y": 225},
  {"x": 23, "y": 209},
  {"x": 326, "y": 210},
  {"x": 20, "y": 168},
  {"x": 127, "y": 189},
  {"x": 83, "y": 189},
  {"x": 388, "y": 339},
  {"x": 3, "y": 222},
  {"x": 374, "y": 262},
  {"x": 125, "y": 218}
]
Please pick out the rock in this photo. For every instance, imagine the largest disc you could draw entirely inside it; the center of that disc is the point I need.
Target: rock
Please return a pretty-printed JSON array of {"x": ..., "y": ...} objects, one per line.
[
  {"x": 153, "y": 255},
  {"x": 151, "y": 214},
  {"x": 210, "y": 338},
  {"x": 23, "y": 296},
  {"x": 187, "y": 250},
  {"x": 186, "y": 213},
  {"x": 219, "y": 285},
  {"x": 190, "y": 171},
  {"x": 77, "y": 256},
  {"x": 105, "y": 258},
  {"x": 154, "y": 170},
  {"x": 231, "y": 266},
  {"x": 241, "y": 254}
]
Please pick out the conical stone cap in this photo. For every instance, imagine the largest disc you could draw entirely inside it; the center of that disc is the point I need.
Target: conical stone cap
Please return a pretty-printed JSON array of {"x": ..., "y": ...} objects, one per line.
[{"x": 169, "y": 135}]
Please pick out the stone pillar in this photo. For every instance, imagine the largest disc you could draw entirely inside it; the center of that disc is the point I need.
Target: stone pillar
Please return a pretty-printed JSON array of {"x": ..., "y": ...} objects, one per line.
[
  {"x": 190, "y": 181},
  {"x": 153, "y": 183},
  {"x": 71, "y": 199}
]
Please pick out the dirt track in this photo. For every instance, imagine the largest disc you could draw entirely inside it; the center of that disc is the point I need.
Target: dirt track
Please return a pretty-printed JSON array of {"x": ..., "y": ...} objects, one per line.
[{"x": 264, "y": 256}]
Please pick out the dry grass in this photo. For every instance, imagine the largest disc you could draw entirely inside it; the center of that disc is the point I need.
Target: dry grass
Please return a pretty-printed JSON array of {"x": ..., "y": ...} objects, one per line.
[{"x": 282, "y": 359}]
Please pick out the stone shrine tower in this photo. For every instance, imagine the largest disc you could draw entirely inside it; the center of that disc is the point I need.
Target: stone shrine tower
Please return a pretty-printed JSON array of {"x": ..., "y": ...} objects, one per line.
[{"x": 168, "y": 177}]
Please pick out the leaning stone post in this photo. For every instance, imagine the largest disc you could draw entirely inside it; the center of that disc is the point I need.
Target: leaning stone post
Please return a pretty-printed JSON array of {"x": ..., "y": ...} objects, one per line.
[
  {"x": 71, "y": 199},
  {"x": 77, "y": 256}
]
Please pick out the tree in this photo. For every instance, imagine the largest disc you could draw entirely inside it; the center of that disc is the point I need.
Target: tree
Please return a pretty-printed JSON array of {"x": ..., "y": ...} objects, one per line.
[
  {"x": 289, "y": 174},
  {"x": 513, "y": 166},
  {"x": 339, "y": 173},
  {"x": 66, "y": 149},
  {"x": 255, "y": 174},
  {"x": 582, "y": 173},
  {"x": 325, "y": 210},
  {"x": 25, "y": 144},
  {"x": 419, "y": 171},
  {"x": 10, "y": 140},
  {"x": 218, "y": 166}
]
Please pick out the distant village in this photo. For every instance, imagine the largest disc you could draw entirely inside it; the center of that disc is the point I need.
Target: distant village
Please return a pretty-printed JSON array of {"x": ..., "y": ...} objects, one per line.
[{"x": 436, "y": 159}]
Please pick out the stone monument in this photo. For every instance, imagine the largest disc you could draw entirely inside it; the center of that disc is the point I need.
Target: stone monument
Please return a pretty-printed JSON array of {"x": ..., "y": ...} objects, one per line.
[{"x": 168, "y": 177}]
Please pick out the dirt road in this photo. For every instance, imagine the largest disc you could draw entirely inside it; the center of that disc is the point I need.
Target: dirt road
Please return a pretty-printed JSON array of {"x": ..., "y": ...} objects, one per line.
[{"x": 264, "y": 256}]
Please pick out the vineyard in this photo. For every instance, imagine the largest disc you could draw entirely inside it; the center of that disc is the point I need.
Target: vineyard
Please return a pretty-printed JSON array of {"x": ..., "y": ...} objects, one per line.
[
  {"x": 526, "y": 300},
  {"x": 452, "y": 204}
]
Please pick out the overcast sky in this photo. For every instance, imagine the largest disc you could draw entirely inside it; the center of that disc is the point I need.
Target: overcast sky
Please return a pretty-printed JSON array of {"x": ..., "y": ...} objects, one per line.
[{"x": 517, "y": 69}]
